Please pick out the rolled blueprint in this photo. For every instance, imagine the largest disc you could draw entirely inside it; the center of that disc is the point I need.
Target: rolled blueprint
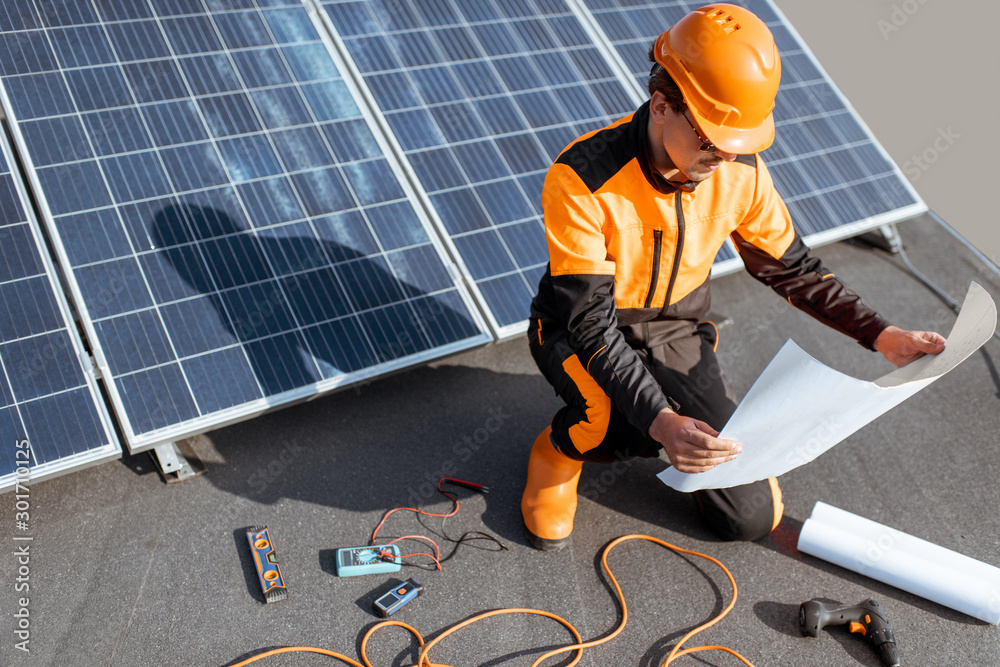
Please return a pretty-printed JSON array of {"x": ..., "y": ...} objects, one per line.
[{"x": 904, "y": 561}]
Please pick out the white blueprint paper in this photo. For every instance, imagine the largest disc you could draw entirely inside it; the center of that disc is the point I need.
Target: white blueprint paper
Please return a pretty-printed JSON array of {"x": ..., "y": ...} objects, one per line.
[{"x": 798, "y": 408}]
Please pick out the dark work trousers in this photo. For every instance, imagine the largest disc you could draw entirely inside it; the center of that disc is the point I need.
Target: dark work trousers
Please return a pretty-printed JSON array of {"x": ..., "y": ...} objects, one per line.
[{"x": 589, "y": 428}]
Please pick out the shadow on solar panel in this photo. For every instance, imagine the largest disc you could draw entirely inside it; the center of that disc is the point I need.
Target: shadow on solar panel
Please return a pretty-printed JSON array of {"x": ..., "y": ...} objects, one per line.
[{"x": 288, "y": 303}]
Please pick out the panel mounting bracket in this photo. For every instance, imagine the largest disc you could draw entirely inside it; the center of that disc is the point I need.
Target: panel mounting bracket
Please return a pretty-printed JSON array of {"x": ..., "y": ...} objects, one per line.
[
  {"x": 886, "y": 237},
  {"x": 174, "y": 465}
]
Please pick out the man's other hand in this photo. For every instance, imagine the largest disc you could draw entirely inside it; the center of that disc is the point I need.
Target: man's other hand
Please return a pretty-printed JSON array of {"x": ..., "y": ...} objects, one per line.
[
  {"x": 901, "y": 347},
  {"x": 691, "y": 445}
]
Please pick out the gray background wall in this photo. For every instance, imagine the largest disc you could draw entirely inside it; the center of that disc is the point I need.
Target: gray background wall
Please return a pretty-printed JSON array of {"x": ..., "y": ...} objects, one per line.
[{"x": 924, "y": 75}]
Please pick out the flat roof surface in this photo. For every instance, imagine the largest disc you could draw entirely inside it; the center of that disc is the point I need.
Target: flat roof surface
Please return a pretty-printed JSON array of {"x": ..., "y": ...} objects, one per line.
[{"x": 128, "y": 570}]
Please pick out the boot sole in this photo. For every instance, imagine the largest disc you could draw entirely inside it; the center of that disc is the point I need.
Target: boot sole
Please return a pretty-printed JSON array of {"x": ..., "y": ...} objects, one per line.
[{"x": 543, "y": 544}]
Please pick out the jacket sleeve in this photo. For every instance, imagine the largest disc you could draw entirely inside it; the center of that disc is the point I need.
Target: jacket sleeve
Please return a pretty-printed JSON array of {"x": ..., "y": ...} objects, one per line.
[
  {"x": 774, "y": 254},
  {"x": 583, "y": 281}
]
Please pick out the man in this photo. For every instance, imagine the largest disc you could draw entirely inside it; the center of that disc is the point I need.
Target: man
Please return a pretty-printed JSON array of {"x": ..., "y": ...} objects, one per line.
[{"x": 634, "y": 215}]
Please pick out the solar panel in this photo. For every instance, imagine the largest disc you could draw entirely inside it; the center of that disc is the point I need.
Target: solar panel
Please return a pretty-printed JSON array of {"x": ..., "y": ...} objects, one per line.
[
  {"x": 234, "y": 233},
  {"x": 252, "y": 208},
  {"x": 481, "y": 97},
  {"x": 48, "y": 398},
  {"x": 835, "y": 178}
]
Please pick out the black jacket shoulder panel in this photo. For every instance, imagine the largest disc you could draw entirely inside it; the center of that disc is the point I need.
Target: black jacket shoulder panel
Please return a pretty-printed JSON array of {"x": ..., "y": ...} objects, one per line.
[{"x": 599, "y": 157}]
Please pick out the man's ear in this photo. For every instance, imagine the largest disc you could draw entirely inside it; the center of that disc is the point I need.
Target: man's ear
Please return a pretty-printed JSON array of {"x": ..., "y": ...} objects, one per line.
[{"x": 658, "y": 107}]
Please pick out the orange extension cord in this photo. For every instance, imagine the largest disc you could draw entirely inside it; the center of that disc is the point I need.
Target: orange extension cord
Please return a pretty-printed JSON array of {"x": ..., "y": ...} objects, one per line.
[{"x": 424, "y": 661}]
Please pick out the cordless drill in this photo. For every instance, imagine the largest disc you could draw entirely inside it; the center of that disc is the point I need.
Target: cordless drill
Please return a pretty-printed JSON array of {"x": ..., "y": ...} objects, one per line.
[{"x": 866, "y": 618}]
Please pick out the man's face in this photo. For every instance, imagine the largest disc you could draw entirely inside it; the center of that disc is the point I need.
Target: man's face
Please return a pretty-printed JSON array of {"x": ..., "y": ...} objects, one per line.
[{"x": 680, "y": 141}]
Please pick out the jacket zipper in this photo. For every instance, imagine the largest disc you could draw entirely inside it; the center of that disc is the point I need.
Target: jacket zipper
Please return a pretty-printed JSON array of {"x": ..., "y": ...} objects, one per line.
[
  {"x": 677, "y": 251},
  {"x": 657, "y": 246}
]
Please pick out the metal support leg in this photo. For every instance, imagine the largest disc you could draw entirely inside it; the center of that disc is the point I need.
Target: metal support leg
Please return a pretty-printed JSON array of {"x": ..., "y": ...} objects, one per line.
[
  {"x": 892, "y": 237},
  {"x": 885, "y": 238},
  {"x": 173, "y": 465}
]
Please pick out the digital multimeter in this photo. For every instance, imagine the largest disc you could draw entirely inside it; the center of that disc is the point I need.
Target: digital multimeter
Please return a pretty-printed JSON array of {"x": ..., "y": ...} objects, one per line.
[{"x": 352, "y": 561}]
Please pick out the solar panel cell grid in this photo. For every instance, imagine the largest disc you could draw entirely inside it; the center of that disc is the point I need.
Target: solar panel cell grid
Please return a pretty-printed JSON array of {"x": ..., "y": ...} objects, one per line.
[
  {"x": 481, "y": 97},
  {"x": 222, "y": 205},
  {"x": 45, "y": 396}
]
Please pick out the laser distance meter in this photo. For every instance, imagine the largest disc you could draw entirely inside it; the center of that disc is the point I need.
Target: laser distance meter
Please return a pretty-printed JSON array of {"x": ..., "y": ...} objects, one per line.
[{"x": 394, "y": 600}]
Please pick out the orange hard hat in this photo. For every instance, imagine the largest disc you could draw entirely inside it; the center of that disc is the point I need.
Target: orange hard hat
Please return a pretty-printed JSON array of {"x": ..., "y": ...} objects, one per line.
[{"x": 724, "y": 60}]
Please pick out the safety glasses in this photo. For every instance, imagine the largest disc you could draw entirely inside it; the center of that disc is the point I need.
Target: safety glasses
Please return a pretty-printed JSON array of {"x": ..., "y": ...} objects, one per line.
[{"x": 706, "y": 145}]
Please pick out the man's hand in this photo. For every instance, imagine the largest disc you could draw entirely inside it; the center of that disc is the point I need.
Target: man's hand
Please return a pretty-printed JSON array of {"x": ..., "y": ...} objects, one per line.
[
  {"x": 901, "y": 347},
  {"x": 691, "y": 445}
]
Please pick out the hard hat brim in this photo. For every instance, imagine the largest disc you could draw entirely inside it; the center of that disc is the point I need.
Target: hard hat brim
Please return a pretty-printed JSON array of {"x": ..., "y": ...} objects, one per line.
[{"x": 740, "y": 141}]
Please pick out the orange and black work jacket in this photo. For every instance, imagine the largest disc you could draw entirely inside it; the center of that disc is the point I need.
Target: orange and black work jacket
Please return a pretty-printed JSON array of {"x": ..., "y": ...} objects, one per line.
[{"x": 630, "y": 255}]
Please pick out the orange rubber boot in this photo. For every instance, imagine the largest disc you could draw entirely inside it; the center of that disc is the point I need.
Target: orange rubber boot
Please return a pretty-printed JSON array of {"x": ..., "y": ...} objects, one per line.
[{"x": 549, "y": 501}]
